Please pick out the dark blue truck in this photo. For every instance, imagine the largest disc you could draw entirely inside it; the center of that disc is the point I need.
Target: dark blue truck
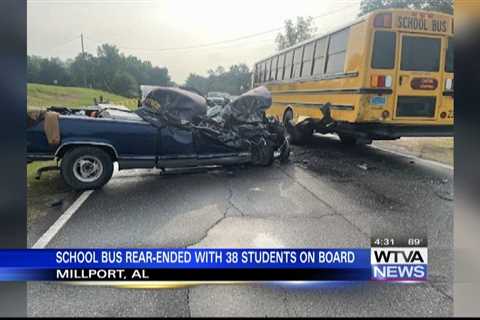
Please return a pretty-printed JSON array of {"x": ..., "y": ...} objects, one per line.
[{"x": 169, "y": 130}]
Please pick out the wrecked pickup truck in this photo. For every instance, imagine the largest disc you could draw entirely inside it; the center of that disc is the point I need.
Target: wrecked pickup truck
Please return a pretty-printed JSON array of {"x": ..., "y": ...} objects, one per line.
[{"x": 170, "y": 129}]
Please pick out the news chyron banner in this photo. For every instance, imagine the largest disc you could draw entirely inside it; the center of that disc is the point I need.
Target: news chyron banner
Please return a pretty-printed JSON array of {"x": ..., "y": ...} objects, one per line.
[{"x": 382, "y": 262}]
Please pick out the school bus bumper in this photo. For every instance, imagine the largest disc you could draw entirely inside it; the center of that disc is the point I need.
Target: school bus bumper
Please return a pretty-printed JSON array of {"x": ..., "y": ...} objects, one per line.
[{"x": 378, "y": 131}]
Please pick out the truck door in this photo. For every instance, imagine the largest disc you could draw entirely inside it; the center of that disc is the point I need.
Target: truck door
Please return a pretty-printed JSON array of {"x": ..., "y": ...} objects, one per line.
[{"x": 175, "y": 144}]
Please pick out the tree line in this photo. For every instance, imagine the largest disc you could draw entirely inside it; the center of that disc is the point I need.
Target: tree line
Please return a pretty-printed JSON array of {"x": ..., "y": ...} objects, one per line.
[
  {"x": 109, "y": 70},
  {"x": 235, "y": 80},
  {"x": 112, "y": 71}
]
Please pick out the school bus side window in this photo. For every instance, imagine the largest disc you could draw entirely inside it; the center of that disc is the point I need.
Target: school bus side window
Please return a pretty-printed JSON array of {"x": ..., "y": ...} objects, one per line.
[
  {"x": 383, "y": 56},
  {"x": 319, "y": 60},
  {"x": 267, "y": 72},
  {"x": 307, "y": 60},
  {"x": 273, "y": 72},
  {"x": 337, "y": 52},
  {"x": 257, "y": 73},
  {"x": 288, "y": 65},
  {"x": 297, "y": 62},
  {"x": 262, "y": 72},
  {"x": 281, "y": 68}
]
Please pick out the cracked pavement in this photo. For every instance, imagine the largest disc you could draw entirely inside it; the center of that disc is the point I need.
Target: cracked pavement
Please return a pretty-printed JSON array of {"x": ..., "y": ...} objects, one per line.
[{"x": 328, "y": 195}]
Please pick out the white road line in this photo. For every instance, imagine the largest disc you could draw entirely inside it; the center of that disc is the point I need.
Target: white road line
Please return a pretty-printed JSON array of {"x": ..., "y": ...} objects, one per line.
[
  {"x": 61, "y": 221},
  {"x": 446, "y": 166}
]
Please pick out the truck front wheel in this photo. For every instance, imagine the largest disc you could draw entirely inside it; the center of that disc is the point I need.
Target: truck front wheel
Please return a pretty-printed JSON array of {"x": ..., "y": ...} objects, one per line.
[{"x": 84, "y": 168}]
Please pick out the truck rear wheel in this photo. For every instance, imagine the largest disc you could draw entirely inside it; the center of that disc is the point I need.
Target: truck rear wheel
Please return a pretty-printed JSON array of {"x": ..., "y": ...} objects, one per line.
[{"x": 84, "y": 168}]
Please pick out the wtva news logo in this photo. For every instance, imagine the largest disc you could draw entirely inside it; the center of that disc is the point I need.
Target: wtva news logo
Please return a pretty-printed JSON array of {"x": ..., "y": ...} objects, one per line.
[{"x": 399, "y": 264}]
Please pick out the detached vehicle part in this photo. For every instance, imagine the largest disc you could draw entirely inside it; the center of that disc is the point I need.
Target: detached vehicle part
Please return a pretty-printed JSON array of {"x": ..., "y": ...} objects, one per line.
[{"x": 171, "y": 129}]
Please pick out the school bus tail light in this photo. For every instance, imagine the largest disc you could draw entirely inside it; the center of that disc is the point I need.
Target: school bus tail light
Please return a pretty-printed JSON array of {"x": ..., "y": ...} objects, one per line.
[
  {"x": 383, "y": 20},
  {"x": 377, "y": 81}
]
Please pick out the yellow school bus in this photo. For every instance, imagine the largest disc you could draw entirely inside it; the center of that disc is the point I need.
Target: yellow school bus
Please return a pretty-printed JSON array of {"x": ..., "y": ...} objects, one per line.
[{"x": 385, "y": 76}]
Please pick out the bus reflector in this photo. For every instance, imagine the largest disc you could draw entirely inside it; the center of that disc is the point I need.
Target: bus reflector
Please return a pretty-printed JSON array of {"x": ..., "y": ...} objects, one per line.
[
  {"x": 377, "y": 81},
  {"x": 383, "y": 20}
]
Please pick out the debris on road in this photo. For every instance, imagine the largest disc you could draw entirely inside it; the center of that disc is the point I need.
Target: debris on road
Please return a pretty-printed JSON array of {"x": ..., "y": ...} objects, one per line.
[
  {"x": 56, "y": 203},
  {"x": 363, "y": 166}
]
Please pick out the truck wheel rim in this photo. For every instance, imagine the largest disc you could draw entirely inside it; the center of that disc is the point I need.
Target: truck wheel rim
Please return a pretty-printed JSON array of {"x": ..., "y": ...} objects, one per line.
[{"x": 87, "y": 168}]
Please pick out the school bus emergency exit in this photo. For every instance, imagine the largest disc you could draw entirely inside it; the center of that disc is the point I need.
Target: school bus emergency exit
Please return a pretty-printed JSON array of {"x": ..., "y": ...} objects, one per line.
[{"x": 385, "y": 76}]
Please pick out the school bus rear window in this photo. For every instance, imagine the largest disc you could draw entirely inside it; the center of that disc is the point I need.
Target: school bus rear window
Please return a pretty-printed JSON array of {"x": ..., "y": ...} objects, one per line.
[
  {"x": 383, "y": 56},
  {"x": 420, "y": 54}
]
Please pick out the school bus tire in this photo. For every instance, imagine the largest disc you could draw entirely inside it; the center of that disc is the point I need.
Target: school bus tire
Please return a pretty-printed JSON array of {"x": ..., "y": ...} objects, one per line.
[{"x": 295, "y": 136}]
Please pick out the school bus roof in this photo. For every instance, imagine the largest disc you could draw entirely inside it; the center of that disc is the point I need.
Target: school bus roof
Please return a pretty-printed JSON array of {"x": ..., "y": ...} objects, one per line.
[{"x": 352, "y": 23}]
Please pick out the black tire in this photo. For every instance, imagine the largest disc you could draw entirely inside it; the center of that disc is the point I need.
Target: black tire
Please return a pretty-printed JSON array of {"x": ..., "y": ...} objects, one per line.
[
  {"x": 78, "y": 162},
  {"x": 295, "y": 136},
  {"x": 264, "y": 155}
]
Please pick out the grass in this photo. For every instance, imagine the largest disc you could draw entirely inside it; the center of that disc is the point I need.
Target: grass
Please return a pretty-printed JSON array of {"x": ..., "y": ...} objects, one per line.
[
  {"x": 41, "y": 193},
  {"x": 41, "y": 95},
  {"x": 50, "y": 181}
]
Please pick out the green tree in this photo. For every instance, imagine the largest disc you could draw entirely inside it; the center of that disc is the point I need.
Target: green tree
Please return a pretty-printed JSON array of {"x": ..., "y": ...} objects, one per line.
[
  {"x": 295, "y": 33},
  {"x": 109, "y": 62},
  {"x": 159, "y": 77},
  {"x": 236, "y": 80},
  {"x": 84, "y": 67},
  {"x": 107, "y": 70},
  {"x": 445, "y": 6},
  {"x": 53, "y": 71},
  {"x": 33, "y": 68},
  {"x": 124, "y": 84}
]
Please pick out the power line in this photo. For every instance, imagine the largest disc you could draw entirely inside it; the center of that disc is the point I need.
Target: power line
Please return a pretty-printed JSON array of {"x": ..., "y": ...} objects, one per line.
[
  {"x": 211, "y": 44},
  {"x": 64, "y": 43}
]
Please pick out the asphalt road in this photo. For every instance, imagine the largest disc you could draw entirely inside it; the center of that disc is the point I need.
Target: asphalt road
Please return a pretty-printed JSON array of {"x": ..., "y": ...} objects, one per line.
[{"x": 327, "y": 196}]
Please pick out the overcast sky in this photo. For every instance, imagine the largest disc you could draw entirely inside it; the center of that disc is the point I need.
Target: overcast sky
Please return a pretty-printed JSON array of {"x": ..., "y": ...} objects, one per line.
[{"x": 163, "y": 31}]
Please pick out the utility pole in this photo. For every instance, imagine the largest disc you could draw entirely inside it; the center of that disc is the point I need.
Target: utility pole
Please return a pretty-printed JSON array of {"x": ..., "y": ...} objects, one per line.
[{"x": 84, "y": 63}]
